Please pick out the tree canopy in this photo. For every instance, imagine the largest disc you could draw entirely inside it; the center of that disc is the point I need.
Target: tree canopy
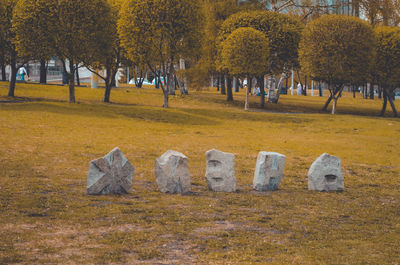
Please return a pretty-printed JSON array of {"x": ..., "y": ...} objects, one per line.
[
  {"x": 335, "y": 49},
  {"x": 283, "y": 32},
  {"x": 160, "y": 32},
  {"x": 387, "y": 63}
]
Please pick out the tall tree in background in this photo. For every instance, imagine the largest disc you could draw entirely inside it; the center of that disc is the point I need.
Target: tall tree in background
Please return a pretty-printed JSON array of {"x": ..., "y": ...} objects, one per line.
[
  {"x": 7, "y": 41},
  {"x": 283, "y": 32},
  {"x": 334, "y": 48},
  {"x": 80, "y": 34},
  {"x": 245, "y": 54},
  {"x": 34, "y": 24},
  {"x": 387, "y": 63},
  {"x": 159, "y": 33},
  {"x": 107, "y": 52}
]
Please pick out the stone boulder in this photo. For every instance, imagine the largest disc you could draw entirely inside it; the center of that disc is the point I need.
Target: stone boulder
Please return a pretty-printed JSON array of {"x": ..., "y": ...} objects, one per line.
[
  {"x": 269, "y": 171},
  {"x": 325, "y": 174},
  {"x": 220, "y": 173},
  {"x": 172, "y": 173},
  {"x": 111, "y": 174}
]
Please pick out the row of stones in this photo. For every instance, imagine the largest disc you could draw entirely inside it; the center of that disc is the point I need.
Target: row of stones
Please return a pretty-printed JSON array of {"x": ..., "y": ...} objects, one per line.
[{"x": 113, "y": 173}]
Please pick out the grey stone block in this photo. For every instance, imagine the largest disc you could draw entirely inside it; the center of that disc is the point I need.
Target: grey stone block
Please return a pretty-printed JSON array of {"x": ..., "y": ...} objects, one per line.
[
  {"x": 172, "y": 173},
  {"x": 269, "y": 171},
  {"x": 220, "y": 173},
  {"x": 111, "y": 174}
]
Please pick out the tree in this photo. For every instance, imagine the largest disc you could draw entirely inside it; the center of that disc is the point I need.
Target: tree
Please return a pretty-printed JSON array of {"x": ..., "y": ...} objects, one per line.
[
  {"x": 158, "y": 33},
  {"x": 283, "y": 32},
  {"x": 387, "y": 63},
  {"x": 334, "y": 48},
  {"x": 107, "y": 52},
  {"x": 34, "y": 24},
  {"x": 245, "y": 54},
  {"x": 81, "y": 35},
  {"x": 7, "y": 42}
]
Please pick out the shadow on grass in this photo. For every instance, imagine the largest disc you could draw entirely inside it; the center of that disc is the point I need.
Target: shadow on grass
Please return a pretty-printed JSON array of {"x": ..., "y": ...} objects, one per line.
[
  {"x": 247, "y": 116},
  {"x": 296, "y": 105},
  {"x": 171, "y": 116}
]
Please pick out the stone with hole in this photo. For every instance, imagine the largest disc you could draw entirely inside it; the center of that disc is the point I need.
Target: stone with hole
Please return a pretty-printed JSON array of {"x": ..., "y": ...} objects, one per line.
[
  {"x": 269, "y": 171},
  {"x": 172, "y": 173},
  {"x": 325, "y": 174},
  {"x": 220, "y": 172},
  {"x": 111, "y": 174}
]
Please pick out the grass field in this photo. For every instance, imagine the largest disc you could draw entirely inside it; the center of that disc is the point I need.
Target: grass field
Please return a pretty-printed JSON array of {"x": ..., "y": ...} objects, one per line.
[{"x": 46, "y": 145}]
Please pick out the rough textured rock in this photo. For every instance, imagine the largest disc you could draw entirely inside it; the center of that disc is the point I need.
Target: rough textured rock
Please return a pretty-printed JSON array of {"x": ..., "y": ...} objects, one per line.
[
  {"x": 220, "y": 173},
  {"x": 172, "y": 173},
  {"x": 111, "y": 174},
  {"x": 325, "y": 174},
  {"x": 269, "y": 171}
]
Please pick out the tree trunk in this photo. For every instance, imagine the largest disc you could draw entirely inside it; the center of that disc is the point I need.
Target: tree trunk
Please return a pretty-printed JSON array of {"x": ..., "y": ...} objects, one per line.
[
  {"x": 107, "y": 92},
  {"x": 3, "y": 72},
  {"x": 271, "y": 87},
  {"x": 71, "y": 82},
  {"x": 43, "y": 72},
  {"x": 166, "y": 94},
  {"x": 78, "y": 81},
  {"x": 13, "y": 79},
  {"x": 354, "y": 91},
  {"x": 237, "y": 85},
  {"x": 170, "y": 79},
  {"x": 248, "y": 90},
  {"x": 275, "y": 99},
  {"x": 218, "y": 82},
  {"x": 305, "y": 87},
  {"x": 371, "y": 91},
  {"x": 262, "y": 91},
  {"x": 320, "y": 89},
  {"x": 393, "y": 106},
  {"x": 334, "y": 105},
  {"x": 223, "y": 86},
  {"x": 325, "y": 108},
  {"x": 384, "y": 103},
  {"x": 229, "y": 94}
]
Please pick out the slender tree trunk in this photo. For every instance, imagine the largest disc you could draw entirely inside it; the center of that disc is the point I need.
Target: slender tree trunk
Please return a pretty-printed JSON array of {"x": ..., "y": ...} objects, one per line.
[
  {"x": 3, "y": 72},
  {"x": 305, "y": 87},
  {"x": 71, "y": 82},
  {"x": 262, "y": 91},
  {"x": 166, "y": 95},
  {"x": 390, "y": 97},
  {"x": 334, "y": 105},
  {"x": 271, "y": 87},
  {"x": 320, "y": 89},
  {"x": 170, "y": 79},
  {"x": 107, "y": 92},
  {"x": 384, "y": 103},
  {"x": 354, "y": 91},
  {"x": 248, "y": 90},
  {"x": 275, "y": 99},
  {"x": 237, "y": 85},
  {"x": 223, "y": 86},
  {"x": 229, "y": 94},
  {"x": 43, "y": 71},
  {"x": 325, "y": 108},
  {"x": 13, "y": 79},
  {"x": 218, "y": 82},
  {"x": 78, "y": 81},
  {"x": 371, "y": 91}
]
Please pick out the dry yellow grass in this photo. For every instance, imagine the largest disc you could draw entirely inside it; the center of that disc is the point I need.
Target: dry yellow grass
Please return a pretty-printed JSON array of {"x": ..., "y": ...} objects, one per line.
[{"x": 47, "y": 143}]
